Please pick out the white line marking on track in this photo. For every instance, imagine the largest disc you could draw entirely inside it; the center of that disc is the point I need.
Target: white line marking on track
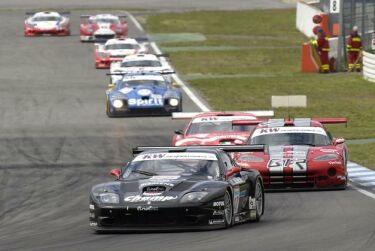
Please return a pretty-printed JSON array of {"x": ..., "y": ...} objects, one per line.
[
  {"x": 184, "y": 87},
  {"x": 367, "y": 193},
  {"x": 137, "y": 24}
]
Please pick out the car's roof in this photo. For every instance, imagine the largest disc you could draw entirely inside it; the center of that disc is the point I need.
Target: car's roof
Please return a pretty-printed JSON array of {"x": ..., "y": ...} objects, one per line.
[
  {"x": 121, "y": 41},
  {"x": 138, "y": 57}
]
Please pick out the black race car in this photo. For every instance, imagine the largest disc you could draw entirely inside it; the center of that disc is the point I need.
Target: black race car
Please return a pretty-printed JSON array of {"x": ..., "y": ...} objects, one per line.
[{"x": 178, "y": 188}]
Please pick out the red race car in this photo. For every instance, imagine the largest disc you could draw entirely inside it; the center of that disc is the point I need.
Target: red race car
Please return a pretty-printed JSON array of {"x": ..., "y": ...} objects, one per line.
[
  {"x": 217, "y": 128},
  {"x": 47, "y": 23},
  {"x": 114, "y": 50},
  {"x": 101, "y": 27},
  {"x": 300, "y": 154}
]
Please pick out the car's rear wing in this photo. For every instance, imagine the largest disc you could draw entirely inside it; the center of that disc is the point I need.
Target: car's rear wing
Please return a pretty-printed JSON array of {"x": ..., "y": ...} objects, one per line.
[
  {"x": 246, "y": 122},
  {"x": 88, "y": 16},
  {"x": 84, "y": 17},
  {"x": 190, "y": 115},
  {"x": 139, "y": 73},
  {"x": 247, "y": 148},
  {"x": 331, "y": 120},
  {"x": 62, "y": 13}
]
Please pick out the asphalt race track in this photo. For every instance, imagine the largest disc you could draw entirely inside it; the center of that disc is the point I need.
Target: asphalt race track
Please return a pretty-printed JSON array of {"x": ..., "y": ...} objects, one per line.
[{"x": 56, "y": 142}]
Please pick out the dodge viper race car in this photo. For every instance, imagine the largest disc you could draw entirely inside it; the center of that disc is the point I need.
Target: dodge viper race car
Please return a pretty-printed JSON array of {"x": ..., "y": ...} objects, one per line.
[
  {"x": 101, "y": 27},
  {"x": 300, "y": 153},
  {"x": 51, "y": 23},
  {"x": 114, "y": 50},
  {"x": 143, "y": 94},
  {"x": 169, "y": 188},
  {"x": 217, "y": 128},
  {"x": 139, "y": 63}
]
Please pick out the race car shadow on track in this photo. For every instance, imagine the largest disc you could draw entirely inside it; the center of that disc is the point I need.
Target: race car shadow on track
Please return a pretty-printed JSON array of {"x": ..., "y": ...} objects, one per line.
[
  {"x": 154, "y": 231},
  {"x": 293, "y": 190}
]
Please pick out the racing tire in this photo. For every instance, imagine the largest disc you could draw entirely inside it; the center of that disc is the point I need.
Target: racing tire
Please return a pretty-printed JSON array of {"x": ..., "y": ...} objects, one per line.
[
  {"x": 107, "y": 111},
  {"x": 228, "y": 210},
  {"x": 259, "y": 200}
]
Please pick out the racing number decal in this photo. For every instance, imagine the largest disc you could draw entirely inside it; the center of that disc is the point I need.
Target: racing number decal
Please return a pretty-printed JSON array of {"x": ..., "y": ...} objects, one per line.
[{"x": 278, "y": 165}]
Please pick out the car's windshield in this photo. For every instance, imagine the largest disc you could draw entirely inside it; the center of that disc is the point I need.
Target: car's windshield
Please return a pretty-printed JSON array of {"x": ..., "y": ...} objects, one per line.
[
  {"x": 46, "y": 19},
  {"x": 141, "y": 63},
  {"x": 218, "y": 126},
  {"x": 107, "y": 20},
  {"x": 132, "y": 83},
  {"x": 313, "y": 139},
  {"x": 176, "y": 165},
  {"x": 121, "y": 47}
]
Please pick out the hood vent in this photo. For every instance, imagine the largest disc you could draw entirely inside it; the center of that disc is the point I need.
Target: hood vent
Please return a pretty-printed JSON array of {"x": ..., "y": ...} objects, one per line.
[{"x": 153, "y": 190}]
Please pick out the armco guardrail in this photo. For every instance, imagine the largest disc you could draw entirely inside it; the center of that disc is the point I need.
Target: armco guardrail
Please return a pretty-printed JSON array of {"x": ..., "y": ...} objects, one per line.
[{"x": 369, "y": 66}]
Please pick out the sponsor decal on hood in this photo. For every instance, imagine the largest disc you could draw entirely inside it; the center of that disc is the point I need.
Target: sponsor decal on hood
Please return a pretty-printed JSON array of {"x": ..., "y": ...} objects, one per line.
[
  {"x": 138, "y": 198},
  {"x": 294, "y": 157}
]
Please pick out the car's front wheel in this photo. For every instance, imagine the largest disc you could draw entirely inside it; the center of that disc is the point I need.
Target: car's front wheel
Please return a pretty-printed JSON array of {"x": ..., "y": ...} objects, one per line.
[
  {"x": 108, "y": 110},
  {"x": 259, "y": 200},
  {"x": 228, "y": 210}
]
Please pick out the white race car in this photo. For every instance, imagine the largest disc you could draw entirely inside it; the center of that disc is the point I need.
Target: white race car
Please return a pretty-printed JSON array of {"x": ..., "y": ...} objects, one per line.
[
  {"x": 102, "y": 27},
  {"x": 114, "y": 50},
  {"x": 46, "y": 22},
  {"x": 140, "y": 63}
]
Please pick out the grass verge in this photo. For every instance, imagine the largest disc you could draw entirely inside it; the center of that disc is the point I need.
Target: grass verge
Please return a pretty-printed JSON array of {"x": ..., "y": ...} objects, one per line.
[{"x": 266, "y": 63}]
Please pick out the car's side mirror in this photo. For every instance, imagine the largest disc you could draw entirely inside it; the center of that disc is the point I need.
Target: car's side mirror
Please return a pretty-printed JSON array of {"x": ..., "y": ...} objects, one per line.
[
  {"x": 116, "y": 173},
  {"x": 233, "y": 170},
  {"x": 338, "y": 141},
  {"x": 179, "y": 132}
]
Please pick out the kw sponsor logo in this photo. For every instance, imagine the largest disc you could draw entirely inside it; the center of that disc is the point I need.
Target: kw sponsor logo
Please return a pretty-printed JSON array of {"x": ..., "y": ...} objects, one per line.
[{"x": 269, "y": 130}]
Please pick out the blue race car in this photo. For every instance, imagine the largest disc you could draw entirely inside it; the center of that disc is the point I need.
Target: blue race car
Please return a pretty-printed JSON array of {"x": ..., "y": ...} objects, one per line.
[{"x": 143, "y": 94}]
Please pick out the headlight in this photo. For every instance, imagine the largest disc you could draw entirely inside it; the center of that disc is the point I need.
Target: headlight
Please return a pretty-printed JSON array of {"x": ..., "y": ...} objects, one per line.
[
  {"x": 326, "y": 157},
  {"x": 250, "y": 158},
  {"x": 111, "y": 198},
  {"x": 117, "y": 103},
  {"x": 173, "y": 102},
  {"x": 90, "y": 30},
  {"x": 193, "y": 197}
]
